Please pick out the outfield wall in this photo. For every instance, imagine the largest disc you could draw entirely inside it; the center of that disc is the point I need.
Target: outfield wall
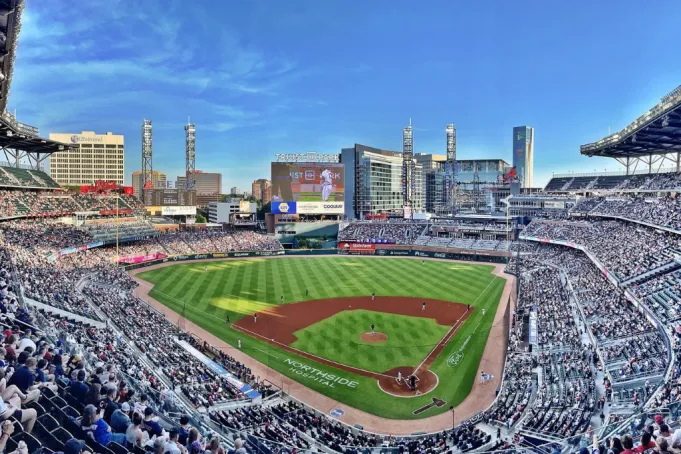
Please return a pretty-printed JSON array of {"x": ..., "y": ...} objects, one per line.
[{"x": 384, "y": 250}]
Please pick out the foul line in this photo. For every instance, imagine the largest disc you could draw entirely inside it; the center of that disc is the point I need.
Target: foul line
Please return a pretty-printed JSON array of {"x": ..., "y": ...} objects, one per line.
[
  {"x": 306, "y": 354},
  {"x": 446, "y": 338}
]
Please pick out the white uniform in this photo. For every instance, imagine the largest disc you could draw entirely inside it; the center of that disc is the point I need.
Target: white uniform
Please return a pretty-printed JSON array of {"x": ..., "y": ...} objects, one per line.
[
  {"x": 239, "y": 344},
  {"x": 327, "y": 184}
]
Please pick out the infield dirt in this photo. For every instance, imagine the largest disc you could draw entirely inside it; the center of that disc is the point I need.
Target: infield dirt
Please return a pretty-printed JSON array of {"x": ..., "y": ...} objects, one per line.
[{"x": 278, "y": 325}]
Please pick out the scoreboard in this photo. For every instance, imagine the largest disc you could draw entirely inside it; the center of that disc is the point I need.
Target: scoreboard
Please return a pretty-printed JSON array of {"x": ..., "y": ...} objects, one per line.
[{"x": 171, "y": 197}]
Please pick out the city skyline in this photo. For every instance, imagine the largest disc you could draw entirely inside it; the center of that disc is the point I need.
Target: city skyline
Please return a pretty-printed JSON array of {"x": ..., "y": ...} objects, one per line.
[{"x": 251, "y": 99}]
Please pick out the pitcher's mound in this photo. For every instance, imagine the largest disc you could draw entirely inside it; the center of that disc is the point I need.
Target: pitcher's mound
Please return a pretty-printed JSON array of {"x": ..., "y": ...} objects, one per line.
[{"x": 374, "y": 338}]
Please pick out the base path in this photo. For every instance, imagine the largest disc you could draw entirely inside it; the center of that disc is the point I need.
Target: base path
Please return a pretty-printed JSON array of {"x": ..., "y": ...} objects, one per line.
[
  {"x": 277, "y": 326},
  {"x": 373, "y": 338},
  {"x": 479, "y": 398}
]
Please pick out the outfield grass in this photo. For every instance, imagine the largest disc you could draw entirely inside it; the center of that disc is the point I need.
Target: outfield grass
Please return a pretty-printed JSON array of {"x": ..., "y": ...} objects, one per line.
[
  {"x": 337, "y": 338},
  {"x": 242, "y": 287}
]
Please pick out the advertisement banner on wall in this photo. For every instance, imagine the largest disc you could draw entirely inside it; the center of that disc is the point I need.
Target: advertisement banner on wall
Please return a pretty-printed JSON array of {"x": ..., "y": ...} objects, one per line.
[
  {"x": 284, "y": 208},
  {"x": 178, "y": 211},
  {"x": 320, "y": 207}
]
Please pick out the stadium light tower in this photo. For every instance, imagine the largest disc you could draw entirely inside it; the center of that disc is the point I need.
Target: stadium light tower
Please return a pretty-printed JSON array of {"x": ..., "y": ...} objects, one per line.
[
  {"x": 190, "y": 154},
  {"x": 408, "y": 182},
  {"x": 147, "y": 155},
  {"x": 450, "y": 167}
]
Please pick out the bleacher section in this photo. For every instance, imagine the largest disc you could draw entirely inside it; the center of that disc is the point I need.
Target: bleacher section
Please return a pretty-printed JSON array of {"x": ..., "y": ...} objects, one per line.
[
  {"x": 13, "y": 176},
  {"x": 657, "y": 181}
]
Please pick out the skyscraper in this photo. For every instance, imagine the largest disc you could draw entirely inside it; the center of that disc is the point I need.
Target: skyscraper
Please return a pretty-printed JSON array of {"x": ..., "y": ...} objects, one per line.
[{"x": 523, "y": 155}]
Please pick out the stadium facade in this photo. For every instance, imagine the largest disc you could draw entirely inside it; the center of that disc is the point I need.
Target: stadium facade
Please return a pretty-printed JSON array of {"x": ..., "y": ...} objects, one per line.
[
  {"x": 523, "y": 154},
  {"x": 92, "y": 157},
  {"x": 373, "y": 182}
]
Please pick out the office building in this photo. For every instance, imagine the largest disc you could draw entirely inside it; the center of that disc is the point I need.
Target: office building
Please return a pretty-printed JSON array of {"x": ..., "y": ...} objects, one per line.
[
  {"x": 236, "y": 190},
  {"x": 96, "y": 157},
  {"x": 262, "y": 190},
  {"x": 158, "y": 181},
  {"x": 523, "y": 155},
  {"x": 373, "y": 182},
  {"x": 204, "y": 182}
]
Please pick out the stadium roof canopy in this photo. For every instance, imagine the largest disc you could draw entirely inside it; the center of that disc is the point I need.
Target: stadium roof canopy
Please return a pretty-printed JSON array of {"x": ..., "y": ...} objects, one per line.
[
  {"x": 10, "y": 24},
  {"x": 656, "y": 132},
  {"x": 18, "y": 141}
]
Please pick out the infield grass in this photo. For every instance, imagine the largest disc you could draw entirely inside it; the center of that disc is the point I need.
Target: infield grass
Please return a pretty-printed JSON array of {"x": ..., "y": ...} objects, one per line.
[
  {"x": 337, "y": 338},
  {"x": 207, "y": 292}
]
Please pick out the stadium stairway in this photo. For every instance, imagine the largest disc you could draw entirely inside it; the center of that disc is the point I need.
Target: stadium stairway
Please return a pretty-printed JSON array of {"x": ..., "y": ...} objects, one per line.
[{"x": 42, "y": 307}]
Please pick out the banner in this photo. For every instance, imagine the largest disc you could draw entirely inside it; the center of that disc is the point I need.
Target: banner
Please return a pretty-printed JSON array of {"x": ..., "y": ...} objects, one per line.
[
  {"x": 284, "y": 208},
  {"x": 141, "y": 258},
  {"x": 114, "y": 212},
  {"x": 178, "y": 211},
  {"x": 320, "y": 207},
  {"x": 357, "y": 246}
]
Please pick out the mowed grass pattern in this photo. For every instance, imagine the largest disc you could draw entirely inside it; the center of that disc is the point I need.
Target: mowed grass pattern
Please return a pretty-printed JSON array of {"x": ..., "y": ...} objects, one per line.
[
  {"x": 337, "y": 338},
  {"x": 207, "y": 292},
  {"x": 242, "y": 287}
]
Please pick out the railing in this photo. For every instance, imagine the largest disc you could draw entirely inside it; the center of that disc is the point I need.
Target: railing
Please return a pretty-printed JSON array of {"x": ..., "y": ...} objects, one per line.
[{"x": 614, "y": 173}]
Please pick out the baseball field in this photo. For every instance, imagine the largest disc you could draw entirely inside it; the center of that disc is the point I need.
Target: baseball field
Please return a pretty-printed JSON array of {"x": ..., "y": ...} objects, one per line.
[{"x": 315, "y": 317}]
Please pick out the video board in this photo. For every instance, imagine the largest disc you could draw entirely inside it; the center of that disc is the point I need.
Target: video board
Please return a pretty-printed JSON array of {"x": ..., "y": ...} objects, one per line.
[{"x": 308, "y": 188}]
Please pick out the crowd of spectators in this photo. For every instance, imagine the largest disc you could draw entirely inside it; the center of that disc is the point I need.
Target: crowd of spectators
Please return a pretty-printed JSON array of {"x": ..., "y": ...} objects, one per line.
[
  {"x": 628, "y": 250},
  {"x": 395, "y": 231}
]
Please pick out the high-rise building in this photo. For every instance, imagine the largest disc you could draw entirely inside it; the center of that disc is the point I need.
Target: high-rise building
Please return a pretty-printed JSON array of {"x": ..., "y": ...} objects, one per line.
[
  {"x": 523, "y": 155},
  {"x": 158, "y": 181},
  {"x": 236, "y": 190},
  {"x": 96, "y": 157},
  {"x": 204, "y": 182},
  {"x": 262, "y": 190},
  {"x": 374, "y": 182}
]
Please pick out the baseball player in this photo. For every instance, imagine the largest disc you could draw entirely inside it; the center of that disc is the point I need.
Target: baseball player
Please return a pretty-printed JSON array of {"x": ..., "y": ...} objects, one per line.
[
  {"x": 327, "y": 184},
  {"x": 255, "y": 318},
  {"x": 399, "y": 377},
  {"x": 281, "y": 299},
  {"x": 373, "y": 296},
  {"x": 306, "y": 292},
  {"x": 239, "y": 344},
  {"x": 423, "y": 307},
  {"x": 205, "y": 269},
  {"x": 227, "y": 321},
  {"x": 372, "y": 328},
  {"x": 482, "y": 376},
  {"x": 483, "y": 311}
]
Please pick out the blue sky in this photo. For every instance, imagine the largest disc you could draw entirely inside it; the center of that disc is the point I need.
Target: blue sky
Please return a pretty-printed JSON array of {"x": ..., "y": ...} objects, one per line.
[{"x": 265, "y": 77}]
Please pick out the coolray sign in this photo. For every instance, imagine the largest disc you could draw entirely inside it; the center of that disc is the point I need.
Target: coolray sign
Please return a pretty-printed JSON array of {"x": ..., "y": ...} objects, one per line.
[
  {"x": 321, "y": 207},
  {"x": 201, "y": 256},
  {"x": 89, "y": 139},
  {"x": 178, "y": 211},
  {"x": 241, "y": 254},
  {"x": 321, "y": 377}
]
